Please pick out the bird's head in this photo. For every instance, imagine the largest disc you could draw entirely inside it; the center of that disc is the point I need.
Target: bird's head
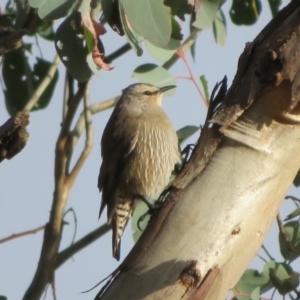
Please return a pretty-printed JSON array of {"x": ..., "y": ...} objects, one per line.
[{"x": 143, "y": 93}]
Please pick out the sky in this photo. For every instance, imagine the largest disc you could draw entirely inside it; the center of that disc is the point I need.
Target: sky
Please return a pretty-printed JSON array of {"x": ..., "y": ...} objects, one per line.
[{"x": 27, "y": 181}]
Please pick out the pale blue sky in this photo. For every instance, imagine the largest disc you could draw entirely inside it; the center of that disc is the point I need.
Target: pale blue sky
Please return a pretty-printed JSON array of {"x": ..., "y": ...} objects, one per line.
[{"x": 26, "y": 182}]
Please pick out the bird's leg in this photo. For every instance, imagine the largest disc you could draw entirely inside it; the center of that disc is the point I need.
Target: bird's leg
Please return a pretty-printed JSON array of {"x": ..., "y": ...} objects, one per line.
[
  {"x": 151, "y": 206},
  {"x": 141, "y": 219}
]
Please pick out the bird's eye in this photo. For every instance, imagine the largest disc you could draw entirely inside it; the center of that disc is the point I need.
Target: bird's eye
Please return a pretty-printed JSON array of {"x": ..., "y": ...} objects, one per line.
[{"x": 147, "y": 93}]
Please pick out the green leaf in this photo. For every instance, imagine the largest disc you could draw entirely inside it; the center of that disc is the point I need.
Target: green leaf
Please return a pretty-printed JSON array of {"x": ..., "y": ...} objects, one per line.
[
  {"x": 112, "y": 15},
  {"x": 206, "y": 13},
  {"x": 294, "y": 214},
  {"x": 40, "y": 71},
  {"x": 185, "y": 132},
  {"x": 284, "y": 278},
  {"x": 193, "y": 47},
  {"x": 204, "y": 86},
  {"x": 245, "y": 12},
  {"x": 255, "y": 295},
  {"x": 16, "y": 71},
  {"x": 296, "y": 181},
  {"x": 274, "y": 6},
  {"x": 89, "y": 39},
  {"x": 252, "y": 279},
  {"x": 92, "y": 65},
  {"x": 176, "y": 37},
  {"x": 21, "y": 12},
  {"x": 292, "y": 232},
  {"x": 149, "y": 18},
  {"x": 129, "y": 33},
  {"x": 45, "y": 30},
  {"x": 69, "y": 44},
  {"x": 3, "y": 297},
  {"x": 54, "y": 9},
  {"x": 156, "y": 75},
  {"x": 158, "y": 53},
  {"x": 219, "y": 28},
  {"x": 179, "y": 8}
]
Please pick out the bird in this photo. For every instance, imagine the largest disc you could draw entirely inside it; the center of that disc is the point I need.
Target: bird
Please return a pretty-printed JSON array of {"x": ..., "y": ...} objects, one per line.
[{"x": 139, "y": 149}]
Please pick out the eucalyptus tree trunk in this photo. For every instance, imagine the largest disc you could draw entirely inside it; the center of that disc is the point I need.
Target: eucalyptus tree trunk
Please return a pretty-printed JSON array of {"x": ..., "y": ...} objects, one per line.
[{"x": 223, "y": 202}]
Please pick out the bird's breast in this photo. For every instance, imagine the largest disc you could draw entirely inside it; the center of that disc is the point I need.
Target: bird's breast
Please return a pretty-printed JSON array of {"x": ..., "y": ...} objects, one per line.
[{"x": 154, "y": 155}]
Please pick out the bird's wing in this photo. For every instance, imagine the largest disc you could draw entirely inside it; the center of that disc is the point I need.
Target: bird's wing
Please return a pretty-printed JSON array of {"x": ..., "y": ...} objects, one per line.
[{"x": 117, "y": 144}]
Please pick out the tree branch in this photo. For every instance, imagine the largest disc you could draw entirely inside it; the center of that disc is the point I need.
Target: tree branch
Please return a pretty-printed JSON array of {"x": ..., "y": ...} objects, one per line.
[
  {"x": 185, "y": 46},
  {"x": 10, "y": 39},
  {"x": 91, "y": 237},
  {"x": 88, "y": 141},
  {"x": 52, "y": 236},
  {"x": 43, "y": 85},
  {"x": 13, "y": 135},
  {"x": 17, "y": 235},
  {"x": 215, "y": 216}
]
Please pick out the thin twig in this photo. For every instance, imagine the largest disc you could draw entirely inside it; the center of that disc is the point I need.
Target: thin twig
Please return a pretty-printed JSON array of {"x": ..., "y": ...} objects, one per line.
[
  {"x": 261, "y": 257},
  {"x": 93, "y": 109},
  {"x": 292, "y": 198},
  {"x": 68, "y": 91},
  {"x": 75, "y": 222},
  {"x": 46, "y": 266},
  {"x": 267, "y": 252},
  {"x": 67, "y": 253},
  {"x": 181, "y": 54},
  {"x": 43, "y": 85},
  {"x": 286, "y": 239},
  {"x": 88, "y": 141},
  {"x": 53, "y": 290},
  {"x": 118, "y": 53},
  {"x": 17, "y": 235},
  {"x": 185, "y": 46}
]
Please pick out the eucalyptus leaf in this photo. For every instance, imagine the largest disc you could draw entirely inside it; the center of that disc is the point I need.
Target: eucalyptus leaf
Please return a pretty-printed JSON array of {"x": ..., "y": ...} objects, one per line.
[
  {"x": 253, "y": 279},
  {"x": 156, "y": 75},
  {"x": 185, "y": 132},
  {"x": 255, "y": 295},
  {"x": 179, "y": 8},
  {"x": 292, "y": 232},
  {"x": 245, "y": 12},
  {"x": 158, "y": 53},
  {"x": 294, "y": 214},
  {"x": 129, "y": 33},
  {"x": 16, "y": 71},
  {"x": 219, "y": 28},
  {"x": 206, "y": 13},
  {"x": 175, "y": 40},
  {"x": 296, "y": 181},
  {"x": 150, "y": 18},
  {"x": 70, "y": 46},
  {"x": 54, "y": 9},
  {"x": 274, "y": 6},
  {"x": 284, "y": 279},
  {"x": 112, "y": 15},
  {"x": 205, "y": 86}
]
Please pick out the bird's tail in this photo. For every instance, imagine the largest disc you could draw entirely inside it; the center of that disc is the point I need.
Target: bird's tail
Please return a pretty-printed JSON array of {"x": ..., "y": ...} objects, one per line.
[{"x": 121, "y": 217}]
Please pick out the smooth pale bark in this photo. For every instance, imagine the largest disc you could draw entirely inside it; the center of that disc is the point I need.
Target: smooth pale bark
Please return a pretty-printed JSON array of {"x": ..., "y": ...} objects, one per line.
[
  {"x": 223, "y": 217},
  {"x": 215, "y": 220}
]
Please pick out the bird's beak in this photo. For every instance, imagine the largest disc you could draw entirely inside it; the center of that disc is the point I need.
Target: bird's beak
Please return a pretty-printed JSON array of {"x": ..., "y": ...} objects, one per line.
[{"x": 166, "y": 88}]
